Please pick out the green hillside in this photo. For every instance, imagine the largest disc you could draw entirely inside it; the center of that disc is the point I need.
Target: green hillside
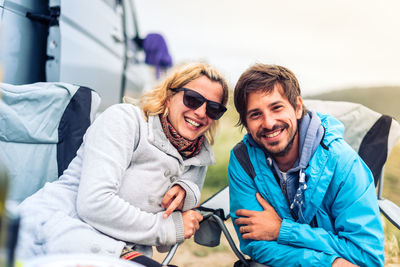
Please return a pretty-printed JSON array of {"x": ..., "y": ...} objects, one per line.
[{"x": 385, "y": 100}]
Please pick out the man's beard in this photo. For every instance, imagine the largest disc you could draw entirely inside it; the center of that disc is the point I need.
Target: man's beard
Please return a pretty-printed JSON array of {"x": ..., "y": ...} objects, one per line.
[{"x": 288, "y": 146}]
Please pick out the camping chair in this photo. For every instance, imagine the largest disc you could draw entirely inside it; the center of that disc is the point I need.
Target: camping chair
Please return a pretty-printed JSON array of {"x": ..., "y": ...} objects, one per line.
[
  {"x": 41, "y": 128},
  {"x": 371, "y": 134}
]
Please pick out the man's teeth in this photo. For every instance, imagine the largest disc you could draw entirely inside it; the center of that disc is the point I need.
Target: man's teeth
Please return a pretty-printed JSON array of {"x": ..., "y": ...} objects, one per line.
[
  {"x": 273, "y": 134},
  {"x": 192, "y": 122}
]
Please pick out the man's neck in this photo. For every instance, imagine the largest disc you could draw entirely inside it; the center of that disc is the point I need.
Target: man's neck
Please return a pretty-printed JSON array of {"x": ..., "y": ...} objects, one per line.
[
  {"x": 285, "y": 165},
  {"x": 287, "y": 161}
]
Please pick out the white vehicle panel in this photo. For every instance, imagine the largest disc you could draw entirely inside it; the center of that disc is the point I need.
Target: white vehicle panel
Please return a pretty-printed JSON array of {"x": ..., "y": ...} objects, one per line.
[
  {"x": 104, "y": 24},
  {"x": 92, "y": 48},
  {"x": 94, "y": 67}
]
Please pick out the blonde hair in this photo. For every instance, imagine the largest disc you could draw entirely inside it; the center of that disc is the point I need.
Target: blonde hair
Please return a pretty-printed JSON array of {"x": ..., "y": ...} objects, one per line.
[{"x": 153, "y": 102}]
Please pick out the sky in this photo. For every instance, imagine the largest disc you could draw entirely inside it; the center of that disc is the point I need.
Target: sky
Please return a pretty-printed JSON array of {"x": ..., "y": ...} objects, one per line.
[{"x": 329, "y": 45}]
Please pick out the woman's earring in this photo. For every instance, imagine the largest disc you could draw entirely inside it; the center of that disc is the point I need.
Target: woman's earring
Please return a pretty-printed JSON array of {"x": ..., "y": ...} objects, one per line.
[{"x": 166, "y": 111}]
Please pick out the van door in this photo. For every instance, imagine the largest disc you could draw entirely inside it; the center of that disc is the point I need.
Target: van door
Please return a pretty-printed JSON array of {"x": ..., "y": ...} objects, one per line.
[
  {"x": 22, "y": 41},
  {"x": 137, "y": 75},
  {"x": 87, "y": 47}
]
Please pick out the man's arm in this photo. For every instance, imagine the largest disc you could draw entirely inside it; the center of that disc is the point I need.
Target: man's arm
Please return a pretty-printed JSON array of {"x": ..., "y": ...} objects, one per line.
[
  {"x": 265, "y": 225},
  {"x": 357, "y": 234},
  {"x": 243, "y": 196}
]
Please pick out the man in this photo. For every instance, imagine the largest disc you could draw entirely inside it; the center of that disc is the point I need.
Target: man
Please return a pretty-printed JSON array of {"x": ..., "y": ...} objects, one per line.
[{"x": 299, "y": 195}]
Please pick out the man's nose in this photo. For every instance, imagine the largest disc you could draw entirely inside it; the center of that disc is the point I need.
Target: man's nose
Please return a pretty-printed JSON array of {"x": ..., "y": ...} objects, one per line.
[{"x": 268, "y": 122}]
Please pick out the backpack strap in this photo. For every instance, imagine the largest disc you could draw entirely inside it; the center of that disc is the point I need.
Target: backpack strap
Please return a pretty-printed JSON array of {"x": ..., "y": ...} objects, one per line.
[{"x": 242, "y": 155}]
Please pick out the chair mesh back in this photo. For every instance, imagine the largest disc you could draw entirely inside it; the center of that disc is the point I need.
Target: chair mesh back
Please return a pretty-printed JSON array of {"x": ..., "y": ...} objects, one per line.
[{"x": 374, "y": 146}]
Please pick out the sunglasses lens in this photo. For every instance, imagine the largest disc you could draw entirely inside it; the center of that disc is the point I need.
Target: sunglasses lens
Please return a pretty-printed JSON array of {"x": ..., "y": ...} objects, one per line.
[
  {"x": 192, "y": 99},
  {"x": 215, "y": 110}
]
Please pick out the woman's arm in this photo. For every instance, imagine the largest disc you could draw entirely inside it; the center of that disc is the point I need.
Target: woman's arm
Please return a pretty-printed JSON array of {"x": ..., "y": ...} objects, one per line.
[
  {"x": 173, "y": 200},
  {"x": 192, "y": 182},
  {"x": 108, "y": 147}
]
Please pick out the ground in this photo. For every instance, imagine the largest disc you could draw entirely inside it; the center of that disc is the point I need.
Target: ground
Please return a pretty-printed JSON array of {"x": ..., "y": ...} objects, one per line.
[{"x": 190, "y": 254}]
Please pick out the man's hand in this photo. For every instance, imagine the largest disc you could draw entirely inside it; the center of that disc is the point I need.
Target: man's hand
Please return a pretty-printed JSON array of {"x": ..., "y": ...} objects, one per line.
[
  {"x": 173, "y": 200},
  {"x": 191, "y": 222},
  {"x": 259, "y": 225},
  {"x": 339, "y": 262}
]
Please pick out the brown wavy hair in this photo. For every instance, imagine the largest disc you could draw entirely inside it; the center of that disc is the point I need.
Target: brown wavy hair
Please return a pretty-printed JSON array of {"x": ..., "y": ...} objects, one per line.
[{"x": 262, "y": 77}]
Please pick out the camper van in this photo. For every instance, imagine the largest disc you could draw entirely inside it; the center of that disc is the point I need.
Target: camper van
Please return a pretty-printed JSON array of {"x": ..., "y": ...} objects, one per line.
[{"x": 90, "y": 43}]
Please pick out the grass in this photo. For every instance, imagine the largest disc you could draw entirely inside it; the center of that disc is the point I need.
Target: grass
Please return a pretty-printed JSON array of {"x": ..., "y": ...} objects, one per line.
[
  {"x": 383, "y": 100},
  {"x": 391, "y": 189},
  {"x": 392, "y": 243},
  {"x": 227, "y": 136}
]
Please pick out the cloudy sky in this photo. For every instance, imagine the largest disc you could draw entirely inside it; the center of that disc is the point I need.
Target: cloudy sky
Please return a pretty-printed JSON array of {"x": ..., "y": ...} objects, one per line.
[{"x": 328, "y": 44}]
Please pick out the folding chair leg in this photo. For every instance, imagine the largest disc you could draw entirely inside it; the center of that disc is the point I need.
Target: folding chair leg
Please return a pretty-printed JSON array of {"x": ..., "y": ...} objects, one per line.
[
  {"x": 230, "y": 240},
  {"x": 170, "y": 254}
]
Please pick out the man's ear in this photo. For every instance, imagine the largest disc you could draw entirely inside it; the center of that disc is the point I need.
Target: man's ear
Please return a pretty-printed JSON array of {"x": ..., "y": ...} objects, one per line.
[{"x": 299, "y": 107}]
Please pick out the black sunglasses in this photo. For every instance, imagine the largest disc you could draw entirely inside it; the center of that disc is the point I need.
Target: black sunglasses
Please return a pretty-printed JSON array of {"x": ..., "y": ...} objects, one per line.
[{"x": 194, "y": 100}]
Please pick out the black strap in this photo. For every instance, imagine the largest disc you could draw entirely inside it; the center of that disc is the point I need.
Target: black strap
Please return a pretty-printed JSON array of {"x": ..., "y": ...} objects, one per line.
[
  {"x": 242, "y": 155},
  {"x": 73, "y": 125},
  {"x": 374, "y": 146},
  {"x": 322, "y": 140}
]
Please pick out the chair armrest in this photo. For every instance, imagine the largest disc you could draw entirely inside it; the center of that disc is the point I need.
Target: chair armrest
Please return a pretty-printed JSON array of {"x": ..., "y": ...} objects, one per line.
[{"x": 391, "y": 211}]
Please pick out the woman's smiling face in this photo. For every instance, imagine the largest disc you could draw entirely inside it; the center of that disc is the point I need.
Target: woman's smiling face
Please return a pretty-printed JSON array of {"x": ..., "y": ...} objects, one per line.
[{"x": 190, "y": 123}]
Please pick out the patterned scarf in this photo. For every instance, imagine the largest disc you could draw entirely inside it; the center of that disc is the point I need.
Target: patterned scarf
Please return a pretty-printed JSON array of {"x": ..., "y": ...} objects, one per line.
[{"x": 185, "y": 147}]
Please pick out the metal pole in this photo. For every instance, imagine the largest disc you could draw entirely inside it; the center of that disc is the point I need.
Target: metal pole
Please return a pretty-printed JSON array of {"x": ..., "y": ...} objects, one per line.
[{"x": 170, "y": 255}]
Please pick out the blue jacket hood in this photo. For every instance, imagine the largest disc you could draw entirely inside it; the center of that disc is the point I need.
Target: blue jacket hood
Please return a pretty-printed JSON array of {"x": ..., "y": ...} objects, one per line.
[{"x": 335, "y": 128}]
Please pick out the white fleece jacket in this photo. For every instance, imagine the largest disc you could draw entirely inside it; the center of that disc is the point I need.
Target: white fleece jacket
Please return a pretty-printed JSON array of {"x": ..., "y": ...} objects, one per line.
[{"x": 111, "y": 193}]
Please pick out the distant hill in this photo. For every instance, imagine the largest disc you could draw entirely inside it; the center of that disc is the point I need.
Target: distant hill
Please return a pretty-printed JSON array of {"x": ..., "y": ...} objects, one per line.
[{"x": 385, "y": 100}]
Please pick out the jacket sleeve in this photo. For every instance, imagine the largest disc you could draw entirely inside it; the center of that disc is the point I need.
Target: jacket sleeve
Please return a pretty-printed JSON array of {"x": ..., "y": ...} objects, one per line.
[
  {"x": 357, "y": 233},
  {"x": 242, "y": 192},
  {"x": 108, "y": 148},
  {"x": 192, "y": 181}
]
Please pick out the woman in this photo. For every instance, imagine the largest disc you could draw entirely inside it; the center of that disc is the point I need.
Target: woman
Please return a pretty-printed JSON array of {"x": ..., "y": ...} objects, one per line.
[{"x": 136, "y": 176}]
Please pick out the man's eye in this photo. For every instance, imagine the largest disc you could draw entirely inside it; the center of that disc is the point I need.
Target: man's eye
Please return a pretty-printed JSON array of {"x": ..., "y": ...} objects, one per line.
[
  {"x": 277, "y": 107},
  {"x": 254, "y": 115}
]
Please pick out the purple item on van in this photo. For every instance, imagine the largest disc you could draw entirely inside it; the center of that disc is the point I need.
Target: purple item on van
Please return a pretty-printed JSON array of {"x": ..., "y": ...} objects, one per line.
[{"x": 156, "y": 50}]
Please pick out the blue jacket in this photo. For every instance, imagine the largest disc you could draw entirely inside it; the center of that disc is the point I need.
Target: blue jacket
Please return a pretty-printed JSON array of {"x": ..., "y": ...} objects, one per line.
[{"x": 340, "y": 197}]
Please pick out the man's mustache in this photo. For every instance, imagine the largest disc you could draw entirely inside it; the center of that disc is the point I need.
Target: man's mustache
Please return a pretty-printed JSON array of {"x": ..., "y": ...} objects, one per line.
[{"x": 265, "y": 131}]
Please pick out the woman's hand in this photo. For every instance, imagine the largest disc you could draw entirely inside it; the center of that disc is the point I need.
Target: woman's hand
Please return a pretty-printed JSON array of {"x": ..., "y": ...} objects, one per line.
[
  {"x": 191, "y": 221},
  {"x": 173, "y": 200}
]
